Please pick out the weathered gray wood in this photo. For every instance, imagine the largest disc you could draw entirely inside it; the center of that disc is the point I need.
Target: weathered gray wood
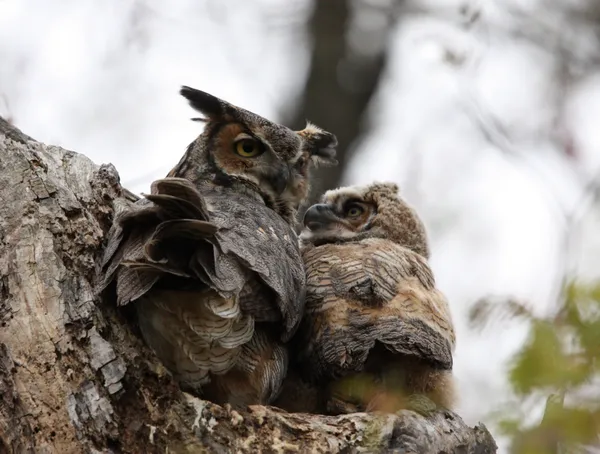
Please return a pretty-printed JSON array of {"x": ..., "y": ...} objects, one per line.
[{"x": 74, "y": 377}]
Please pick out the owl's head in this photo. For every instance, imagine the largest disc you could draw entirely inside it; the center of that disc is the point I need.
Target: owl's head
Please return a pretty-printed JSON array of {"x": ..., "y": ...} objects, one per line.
[
  {"x": 357, "y": 212},
  {"x": 242, "y": 149}
]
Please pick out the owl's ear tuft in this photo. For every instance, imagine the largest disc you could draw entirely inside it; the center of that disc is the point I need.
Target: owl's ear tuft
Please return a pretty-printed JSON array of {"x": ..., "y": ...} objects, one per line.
[
  {"x": 209, "y": 105},
  {"x": 392, "y": 188},
  {"x": 321, "y": 144},
  {"x": 387, "y": 188}
]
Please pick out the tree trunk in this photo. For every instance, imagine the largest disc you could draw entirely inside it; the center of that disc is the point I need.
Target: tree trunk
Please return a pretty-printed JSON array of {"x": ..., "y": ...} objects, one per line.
[{"x": 74, "y": 376}]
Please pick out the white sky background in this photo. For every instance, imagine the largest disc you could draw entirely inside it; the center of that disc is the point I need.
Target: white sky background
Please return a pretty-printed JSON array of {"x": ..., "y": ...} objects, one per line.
[{"x": 101, "y": 78}]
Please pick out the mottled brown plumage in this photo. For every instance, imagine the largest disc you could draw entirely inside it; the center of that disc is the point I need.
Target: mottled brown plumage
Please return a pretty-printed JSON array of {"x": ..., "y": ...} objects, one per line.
[
  {"x": 376, "y": 332},
  {"x": 210, "y": 258}
]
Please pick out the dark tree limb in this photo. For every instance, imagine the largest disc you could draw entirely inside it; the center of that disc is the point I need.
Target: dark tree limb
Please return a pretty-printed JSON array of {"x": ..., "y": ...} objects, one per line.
[
  {"x": 74, "y": 377},
  {"x": 341, "y": 81}
]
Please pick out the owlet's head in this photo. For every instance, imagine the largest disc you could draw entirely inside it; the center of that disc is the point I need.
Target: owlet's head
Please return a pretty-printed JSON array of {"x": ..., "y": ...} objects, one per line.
[
  {"x": 357, "y": 212},
  {"x": 240, "y": 148}
]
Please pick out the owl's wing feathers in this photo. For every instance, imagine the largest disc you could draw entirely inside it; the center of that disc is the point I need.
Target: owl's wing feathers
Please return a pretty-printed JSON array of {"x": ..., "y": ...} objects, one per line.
[
  {"x": 162, "y": 246},
  {"x": 174, "y": 207},
  {"x": 264, "y": 243},
  {"x": 127, "y": 247},
  {"x": 115, "y": 249},
  {"x": 150, "y": 244},
  {"x": 182, "y": 189},
  {"x": 222, "y": 238},
  {"x": 373, "y": 292}
]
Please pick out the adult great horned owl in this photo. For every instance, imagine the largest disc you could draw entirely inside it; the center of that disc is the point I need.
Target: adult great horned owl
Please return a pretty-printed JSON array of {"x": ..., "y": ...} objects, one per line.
[
  {"x": 253, "y": 155},
  {"x": 376, "y": 334},
  {"x": 210, "y": 258}
]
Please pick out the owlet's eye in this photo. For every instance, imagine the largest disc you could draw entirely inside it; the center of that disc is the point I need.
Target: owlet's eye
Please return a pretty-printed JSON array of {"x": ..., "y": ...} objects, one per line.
[
  {"x": 354, "y": 211},
  {"x": 248, "y": 148}
]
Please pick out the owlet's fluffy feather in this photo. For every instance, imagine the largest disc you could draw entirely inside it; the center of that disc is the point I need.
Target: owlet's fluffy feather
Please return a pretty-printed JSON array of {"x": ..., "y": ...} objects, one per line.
[
  {"x": 210, "y": 258},
  {"x": 376, "y": 334}
]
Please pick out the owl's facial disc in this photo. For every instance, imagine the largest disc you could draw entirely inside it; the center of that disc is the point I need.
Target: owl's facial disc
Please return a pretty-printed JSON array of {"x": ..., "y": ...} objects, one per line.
[
  {"x": 262, "y": 163},
  {"x": 245, "y": 156},
  {"x": 326, "y": 222},
  {"x": 271, "y": 175},
  {"x": 279, "y": 178}
]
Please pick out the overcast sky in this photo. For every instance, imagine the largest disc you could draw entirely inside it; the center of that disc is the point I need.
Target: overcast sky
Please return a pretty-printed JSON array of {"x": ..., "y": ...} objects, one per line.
[{"x": 465, "y": 122}]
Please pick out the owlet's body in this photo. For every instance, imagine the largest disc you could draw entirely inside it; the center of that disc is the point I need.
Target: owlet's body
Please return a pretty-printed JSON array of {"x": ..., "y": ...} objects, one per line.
[
  {"x": 210, "y": 258},
  {"x": 376, "y": 334}
]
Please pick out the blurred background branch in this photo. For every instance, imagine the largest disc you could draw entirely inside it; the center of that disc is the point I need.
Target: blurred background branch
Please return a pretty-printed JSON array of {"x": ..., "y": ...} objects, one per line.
[{"x": 350, "y": 43}]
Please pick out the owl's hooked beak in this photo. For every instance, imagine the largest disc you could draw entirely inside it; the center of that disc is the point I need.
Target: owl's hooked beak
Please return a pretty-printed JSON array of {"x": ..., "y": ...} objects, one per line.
[{"x": 319, "y": 217}]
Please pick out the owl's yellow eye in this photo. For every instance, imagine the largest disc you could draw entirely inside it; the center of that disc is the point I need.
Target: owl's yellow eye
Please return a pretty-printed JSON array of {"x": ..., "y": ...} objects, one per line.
[
  {"x": 248, "y": 148},
  {"x": 354, "y": 211}
]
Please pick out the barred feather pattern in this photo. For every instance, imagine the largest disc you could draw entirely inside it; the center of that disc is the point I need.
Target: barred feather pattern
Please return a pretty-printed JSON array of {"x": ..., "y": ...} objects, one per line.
[
  {"x": 372, "y": 307},
  {"x": 217, "y": 282}
]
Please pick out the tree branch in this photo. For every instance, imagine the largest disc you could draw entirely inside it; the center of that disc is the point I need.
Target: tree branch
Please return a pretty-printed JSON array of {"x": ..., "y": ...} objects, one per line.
[{"x": 341, "y": 81}]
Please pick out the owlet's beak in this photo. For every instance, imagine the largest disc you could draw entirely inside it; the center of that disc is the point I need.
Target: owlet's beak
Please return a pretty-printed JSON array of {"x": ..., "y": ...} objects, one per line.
[{"x": 319, "y": 216}]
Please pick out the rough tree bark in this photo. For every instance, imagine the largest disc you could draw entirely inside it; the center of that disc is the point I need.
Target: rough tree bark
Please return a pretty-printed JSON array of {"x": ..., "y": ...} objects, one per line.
[{"x": 74, "y": 376}]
